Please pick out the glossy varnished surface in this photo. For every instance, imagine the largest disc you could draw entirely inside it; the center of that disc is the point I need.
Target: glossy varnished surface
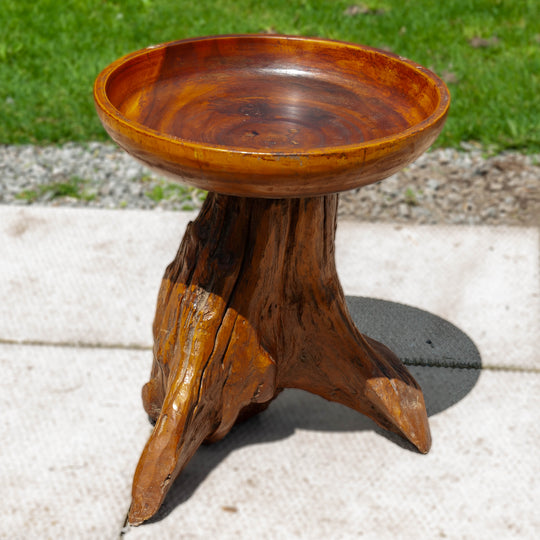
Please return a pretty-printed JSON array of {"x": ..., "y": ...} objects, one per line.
[
  {"x": 271, "y": 116},
  {"x": 251, "y": 305}
]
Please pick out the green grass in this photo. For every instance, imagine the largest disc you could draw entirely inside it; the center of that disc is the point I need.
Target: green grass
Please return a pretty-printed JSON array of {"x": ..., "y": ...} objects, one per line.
[
  {"x": 75, "y": 188},
  {"x": 170, "y": 191},
  {"x": 51, "y": 51},
  {"x": 411, "y": 197}
]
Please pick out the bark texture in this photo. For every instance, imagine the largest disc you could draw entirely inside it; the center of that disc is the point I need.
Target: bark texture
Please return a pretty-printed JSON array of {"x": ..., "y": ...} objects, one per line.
[{"x": 252, "y": 304}]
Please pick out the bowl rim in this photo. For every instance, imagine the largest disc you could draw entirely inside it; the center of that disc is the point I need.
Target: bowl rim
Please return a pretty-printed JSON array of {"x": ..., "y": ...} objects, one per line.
[{"x": 104, "y": 104}]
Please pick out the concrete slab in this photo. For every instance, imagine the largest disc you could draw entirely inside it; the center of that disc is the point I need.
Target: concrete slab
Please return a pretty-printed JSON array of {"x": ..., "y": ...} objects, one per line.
[
  {"x": 310, "y": 469},
  {"x": 417, "y": 336},
  {"x": 72, "y": 429},
  {"x": 484, "y": 280},
  {"x": 82, "y": 275},
  {"x": 92, "y": 276}
]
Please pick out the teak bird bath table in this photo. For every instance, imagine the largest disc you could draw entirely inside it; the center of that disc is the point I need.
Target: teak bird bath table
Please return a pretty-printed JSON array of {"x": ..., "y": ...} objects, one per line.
[{"x": 273, "y": 127}]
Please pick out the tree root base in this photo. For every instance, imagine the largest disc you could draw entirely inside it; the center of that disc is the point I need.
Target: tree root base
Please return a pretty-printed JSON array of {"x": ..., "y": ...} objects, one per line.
[{"x": 252, "y": 304}]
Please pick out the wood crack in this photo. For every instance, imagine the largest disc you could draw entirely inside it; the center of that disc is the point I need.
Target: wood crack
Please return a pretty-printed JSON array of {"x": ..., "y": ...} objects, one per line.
[{"x": 259, "y": 309}]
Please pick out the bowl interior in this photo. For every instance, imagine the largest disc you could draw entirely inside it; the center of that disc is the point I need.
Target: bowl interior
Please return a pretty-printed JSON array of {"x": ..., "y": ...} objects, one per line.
[{"x": 268, "y": 94}]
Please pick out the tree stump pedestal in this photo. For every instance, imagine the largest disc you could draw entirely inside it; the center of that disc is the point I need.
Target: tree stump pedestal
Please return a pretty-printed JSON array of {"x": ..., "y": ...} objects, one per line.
[
  {"x": 272, "y": 127},
  {"x": 251, "y": 305}
]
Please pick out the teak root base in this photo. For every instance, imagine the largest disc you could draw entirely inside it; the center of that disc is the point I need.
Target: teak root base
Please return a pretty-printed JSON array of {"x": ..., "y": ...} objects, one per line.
[{"x": 252, "y": 304}]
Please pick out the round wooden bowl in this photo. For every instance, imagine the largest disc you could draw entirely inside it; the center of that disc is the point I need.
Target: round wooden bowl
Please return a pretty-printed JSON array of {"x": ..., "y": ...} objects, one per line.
[{"x": 271, "y": 116}]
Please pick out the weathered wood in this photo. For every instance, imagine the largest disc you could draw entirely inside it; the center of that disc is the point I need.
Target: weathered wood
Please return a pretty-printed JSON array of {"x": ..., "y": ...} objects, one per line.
[{"x": 252, "y": 304}]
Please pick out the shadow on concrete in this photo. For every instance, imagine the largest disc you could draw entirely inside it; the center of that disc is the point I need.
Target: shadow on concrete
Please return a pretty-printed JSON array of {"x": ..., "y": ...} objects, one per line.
[{"x": 442, "y": 358}]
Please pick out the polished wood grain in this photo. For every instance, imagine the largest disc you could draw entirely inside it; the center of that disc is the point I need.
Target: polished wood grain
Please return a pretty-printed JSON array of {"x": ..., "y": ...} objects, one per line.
[
  {"x": 251, "y": 305},
  {"x": 273, "y": 127},
  {"x": 271, "y": 116}
]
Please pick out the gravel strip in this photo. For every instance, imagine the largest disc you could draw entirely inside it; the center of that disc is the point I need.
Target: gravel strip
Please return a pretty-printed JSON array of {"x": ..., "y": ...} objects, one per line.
[{"x": 443, "y": 186}]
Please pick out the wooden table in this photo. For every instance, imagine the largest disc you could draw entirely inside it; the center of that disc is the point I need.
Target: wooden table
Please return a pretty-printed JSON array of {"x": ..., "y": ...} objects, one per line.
[{"x": 273, "y": 127}]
